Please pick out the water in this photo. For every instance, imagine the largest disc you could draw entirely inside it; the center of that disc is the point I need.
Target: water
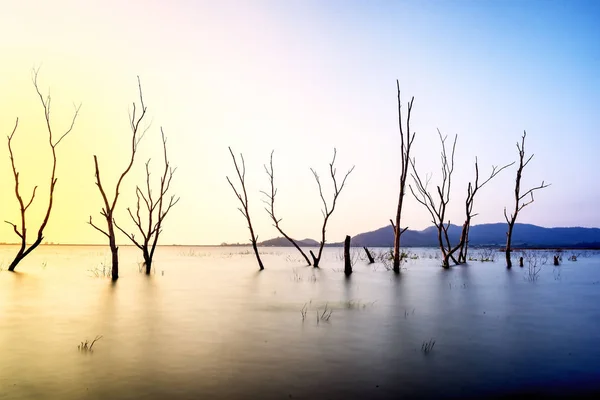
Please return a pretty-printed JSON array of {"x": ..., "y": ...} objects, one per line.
[{"x": 208, "y": 324}]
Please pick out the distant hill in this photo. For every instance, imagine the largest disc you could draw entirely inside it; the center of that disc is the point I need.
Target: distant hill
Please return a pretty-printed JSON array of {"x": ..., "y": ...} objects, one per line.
[
  {"x": 524, "y": 236},
  {"x": 283, "y": 242}
]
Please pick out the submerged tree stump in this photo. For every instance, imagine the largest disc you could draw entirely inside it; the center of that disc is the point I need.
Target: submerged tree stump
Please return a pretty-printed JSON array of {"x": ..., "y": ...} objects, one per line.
[
  {"x": 347, "y": 261},
  {"x": 369, "y": 256},
  {"x": 315, "y": 259}
]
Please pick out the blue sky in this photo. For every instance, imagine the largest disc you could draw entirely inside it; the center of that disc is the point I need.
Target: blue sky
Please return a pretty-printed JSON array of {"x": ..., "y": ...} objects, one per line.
[{"x": 302, "y": 77}]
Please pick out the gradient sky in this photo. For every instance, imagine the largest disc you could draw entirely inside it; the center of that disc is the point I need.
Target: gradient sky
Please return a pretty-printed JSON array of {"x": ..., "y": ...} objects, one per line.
[{"x": 301, "y": 77}]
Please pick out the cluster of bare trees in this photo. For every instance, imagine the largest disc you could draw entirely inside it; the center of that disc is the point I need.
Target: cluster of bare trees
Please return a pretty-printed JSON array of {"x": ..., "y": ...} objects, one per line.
[
  {"x": 437, "y": 203},
  {"x": 154, "y": 209},
  {"x": 435, "y": 200},
  {"x": 151, "y": 209},
  {"x": 327, "y": 210}
]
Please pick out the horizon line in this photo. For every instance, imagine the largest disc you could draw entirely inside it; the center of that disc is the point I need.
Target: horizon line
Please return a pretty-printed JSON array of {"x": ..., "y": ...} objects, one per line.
[{"x": 225, "y": 244}]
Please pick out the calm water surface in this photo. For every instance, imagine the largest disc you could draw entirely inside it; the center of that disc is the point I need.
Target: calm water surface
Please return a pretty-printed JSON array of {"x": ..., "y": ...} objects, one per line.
[{"x": 208, "y": 325}]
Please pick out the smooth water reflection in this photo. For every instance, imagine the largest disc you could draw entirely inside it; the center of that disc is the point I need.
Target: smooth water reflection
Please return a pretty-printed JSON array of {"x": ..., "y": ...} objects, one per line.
[{"x": 207, "y": 324}]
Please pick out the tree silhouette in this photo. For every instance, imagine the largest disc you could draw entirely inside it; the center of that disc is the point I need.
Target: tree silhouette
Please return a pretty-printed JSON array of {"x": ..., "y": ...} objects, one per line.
[
  {"x": 519, "y": 198},
  {"x": 326, "y": 210},
  {"x": 271, "y": 208},
  {"x": 472, "y": 190},
  {"x": 21, "y": 231},
  {"x": 437, "y": 210},
  {"x": 406, "y": 140},
  {"x": 108, "y": 208},
  {"x": 156, "y": 210},
  {"x": 244, "y": 201}
]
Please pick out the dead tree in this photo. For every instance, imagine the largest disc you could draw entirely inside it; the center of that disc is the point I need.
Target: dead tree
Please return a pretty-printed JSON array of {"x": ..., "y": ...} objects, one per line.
[
  {"x": 327, "y": 211},
  {"x": 519, "y": 202},
  {"x": 244, "y": 201},
  {"x": 347, "y": 259},
  {"x": 472, "y": 190},
  {"x": 156, "y": 210},
  {"x": 406, "y": 140},
  {"x": 369, "y": 256},
  {"x": 438, "y": 210},
  {"x": 21, "y": 230},
  {"x": 271, "y": 209},
  {"x": 109, "y": 206}
]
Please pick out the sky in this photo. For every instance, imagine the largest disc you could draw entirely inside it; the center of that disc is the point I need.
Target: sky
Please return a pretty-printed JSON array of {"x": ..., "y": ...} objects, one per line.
[{"x": 300, "y": 78}]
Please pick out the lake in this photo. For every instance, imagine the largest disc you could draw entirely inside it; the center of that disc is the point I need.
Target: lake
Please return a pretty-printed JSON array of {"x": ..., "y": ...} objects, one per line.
[{"x": 207, "y": 324}]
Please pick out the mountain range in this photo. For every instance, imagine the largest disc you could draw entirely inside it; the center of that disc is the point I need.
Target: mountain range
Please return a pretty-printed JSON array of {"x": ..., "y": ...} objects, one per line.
[{"x": 524, "y": 236}]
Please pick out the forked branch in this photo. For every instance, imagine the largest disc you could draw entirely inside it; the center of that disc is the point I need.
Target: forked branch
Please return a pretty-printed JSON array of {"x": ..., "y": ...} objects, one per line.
[
  {"x": 155, "y": 209},
  {"x": 270, "y": 202},
  {"x": 326, "y": 211},
  {"x": 472, "y": 190},
  {"x": 241, "y": 173},
  {"x": 436, "y": 204}
]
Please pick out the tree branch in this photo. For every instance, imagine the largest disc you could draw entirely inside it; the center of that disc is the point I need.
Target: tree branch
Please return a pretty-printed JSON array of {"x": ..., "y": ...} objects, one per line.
[
  {"x": 327, "y": 212},
  {"x": 98, "y": 229},
  {"x": 15, "y": 229}
]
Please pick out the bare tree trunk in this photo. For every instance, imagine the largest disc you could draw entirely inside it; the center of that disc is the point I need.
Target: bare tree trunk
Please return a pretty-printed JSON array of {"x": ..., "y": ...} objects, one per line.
[
  {"x": 147, "y": 261},
  {"x": 15, "y": 262},
  {"x": 405, "y": 145},
  {"x": 244, "y": 201},
  {"x": 519, "y": 203},
  {"x": 369, "y": 256},
  {"x": 296, "y": 246},
  {"x": 445, "y": 255},
  {"x": 314, "y": 258},
  {"x": 21, "y": 254},
  {"x": 255, "y": 247},
  {"x": 464, "y": 242},
  {"x": 317, "y": 259},
  {"x": 347, "y": 260},
  {"x": 472, "y": 190},
  {"x": 508, "y": 242},
  {"x": 22, "y": 231},
  {"x": 114, "y": 250},
  {"x": 449, "y": 249}
]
